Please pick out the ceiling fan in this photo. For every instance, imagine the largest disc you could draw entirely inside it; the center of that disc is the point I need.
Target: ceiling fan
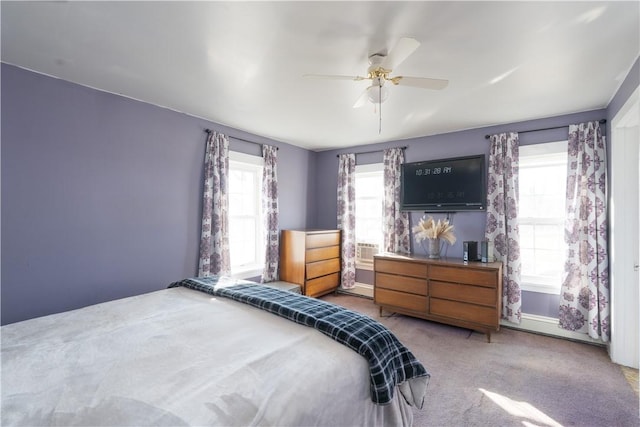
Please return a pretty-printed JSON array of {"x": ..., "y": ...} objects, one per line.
[{"x": 380, "y": 67}]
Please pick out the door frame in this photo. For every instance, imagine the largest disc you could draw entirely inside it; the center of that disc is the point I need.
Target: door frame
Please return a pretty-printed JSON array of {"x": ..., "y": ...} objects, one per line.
[{"x": 624, "y": 234}]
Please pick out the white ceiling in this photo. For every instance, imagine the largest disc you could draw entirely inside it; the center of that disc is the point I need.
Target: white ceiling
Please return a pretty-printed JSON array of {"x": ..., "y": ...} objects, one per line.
[{"x": 240, "y": 64}]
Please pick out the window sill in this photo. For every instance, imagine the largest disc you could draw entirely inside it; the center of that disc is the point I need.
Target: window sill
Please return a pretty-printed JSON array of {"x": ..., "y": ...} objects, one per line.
[
  {"x": 247, "y": 272},
  {"x": 364, "y": 266},
  {"x": 541, "y": 289}
]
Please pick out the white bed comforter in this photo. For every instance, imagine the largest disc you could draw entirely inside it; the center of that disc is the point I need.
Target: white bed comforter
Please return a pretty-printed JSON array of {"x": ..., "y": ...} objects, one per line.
[{"x": 180, "y": 357}]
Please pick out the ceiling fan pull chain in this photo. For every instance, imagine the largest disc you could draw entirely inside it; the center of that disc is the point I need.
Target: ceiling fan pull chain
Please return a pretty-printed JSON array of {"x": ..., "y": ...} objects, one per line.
[{"x": 380, "y": 110}]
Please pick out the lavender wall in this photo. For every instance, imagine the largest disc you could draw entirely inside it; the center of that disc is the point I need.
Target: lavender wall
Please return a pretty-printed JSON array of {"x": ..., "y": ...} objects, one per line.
[
  {"x": 468, "y": 225},
  {"x": 101, "y": 195}
]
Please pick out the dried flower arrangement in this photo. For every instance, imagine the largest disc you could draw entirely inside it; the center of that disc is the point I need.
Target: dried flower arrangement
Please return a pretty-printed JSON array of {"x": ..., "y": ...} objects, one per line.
[{"x": 427, "y": 228}]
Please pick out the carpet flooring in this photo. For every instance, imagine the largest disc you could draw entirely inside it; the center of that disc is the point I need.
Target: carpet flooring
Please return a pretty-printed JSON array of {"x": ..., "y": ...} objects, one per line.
[{"x": 519, "y": 379}]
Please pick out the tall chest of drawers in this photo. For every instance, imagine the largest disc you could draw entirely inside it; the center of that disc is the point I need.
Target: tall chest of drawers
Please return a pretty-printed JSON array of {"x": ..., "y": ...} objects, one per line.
[
  {"x": 447, "y": 291},
  {"x": 311, "y": 259}
]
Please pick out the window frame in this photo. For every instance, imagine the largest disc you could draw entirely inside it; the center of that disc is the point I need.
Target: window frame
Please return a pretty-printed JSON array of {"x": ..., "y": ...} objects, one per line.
[
  {"x": 529, "y": 156},
  {"x": 371, "y": 169},
  {"x": 252, "y": 164}
]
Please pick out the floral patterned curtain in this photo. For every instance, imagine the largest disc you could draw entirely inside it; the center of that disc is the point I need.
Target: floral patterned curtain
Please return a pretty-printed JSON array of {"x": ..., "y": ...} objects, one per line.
[
  {"x": 347, "y": 217},
  {"x": 396, "y": 223},
  {"x": 584, "y": 296},
  {"x": 214, "y": 240},
  {"x": 270, "y": 213},
  {"x": 502, "y": 218}
]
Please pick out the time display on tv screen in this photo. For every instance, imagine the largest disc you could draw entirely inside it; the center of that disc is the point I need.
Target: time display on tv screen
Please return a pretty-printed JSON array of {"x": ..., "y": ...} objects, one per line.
[{"x": 456, "y": 183}]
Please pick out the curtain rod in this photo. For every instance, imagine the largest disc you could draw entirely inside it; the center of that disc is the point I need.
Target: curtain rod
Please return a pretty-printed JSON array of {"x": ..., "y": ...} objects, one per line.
[
  {"x": 603, "y": 121},
  {"x": 240, "y": 139},
  {"x": 373, "y": 151}
]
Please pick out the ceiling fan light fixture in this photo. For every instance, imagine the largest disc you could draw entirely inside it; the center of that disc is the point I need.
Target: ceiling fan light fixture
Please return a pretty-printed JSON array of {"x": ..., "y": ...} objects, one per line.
[{"x": 377, "y": 94}]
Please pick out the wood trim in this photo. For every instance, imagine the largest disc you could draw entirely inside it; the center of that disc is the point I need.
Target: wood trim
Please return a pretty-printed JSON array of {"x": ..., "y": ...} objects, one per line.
[
  {"x": 322, "y": 285},
  {"x": 464, "y": 311},
  {"x": 467, "y": 275},
  {"x": 319, "y": 240},
  {"x": 412, "y": 285},
  {"x": 414, "y": 269},
  {"x": 391, "y": 298},
  {"x": 319, "y": 254},
  {"x": 292, "y": 257},
  {"x": 465, "y": 293},
  {"x": 322, "y": 268}
]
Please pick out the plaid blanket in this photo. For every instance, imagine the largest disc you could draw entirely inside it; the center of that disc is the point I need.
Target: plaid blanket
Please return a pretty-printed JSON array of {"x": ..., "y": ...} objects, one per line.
[{"x": 391, "y": 364}]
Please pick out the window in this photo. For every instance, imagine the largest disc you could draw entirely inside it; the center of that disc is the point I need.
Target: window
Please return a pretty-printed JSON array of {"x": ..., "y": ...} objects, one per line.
[
  {"x": 245, "y": 220},
  {"x": 369, "y": 207},
  {"x": 543, "y": 176}
]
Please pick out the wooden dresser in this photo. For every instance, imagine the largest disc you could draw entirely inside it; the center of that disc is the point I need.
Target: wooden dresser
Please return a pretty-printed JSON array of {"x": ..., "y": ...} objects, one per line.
[
  {"x": 449, "y": 291},
  {"x": 311, "y": 259}
]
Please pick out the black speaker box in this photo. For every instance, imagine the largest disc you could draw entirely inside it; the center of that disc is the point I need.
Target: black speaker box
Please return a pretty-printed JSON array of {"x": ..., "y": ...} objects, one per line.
[
  {"x": 486, "y": 249},
  {"x": 469, "y": 251}
]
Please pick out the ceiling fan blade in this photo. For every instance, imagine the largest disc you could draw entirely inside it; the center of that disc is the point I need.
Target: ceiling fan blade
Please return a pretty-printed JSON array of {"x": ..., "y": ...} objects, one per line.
[
  {"x": 421, "y": 82},
  {"x": 334, "y": 77},
  {"x": 401, "y": 51},
  {"x": 362, "y": 99}
]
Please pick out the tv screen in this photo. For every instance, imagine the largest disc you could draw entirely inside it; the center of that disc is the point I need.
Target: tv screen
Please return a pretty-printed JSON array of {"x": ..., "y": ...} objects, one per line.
[{"x": 449, "y": 185}]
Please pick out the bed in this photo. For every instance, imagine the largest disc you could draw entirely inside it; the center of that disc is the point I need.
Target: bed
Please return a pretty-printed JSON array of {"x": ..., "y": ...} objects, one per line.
[{"x": 182, "y": 356}]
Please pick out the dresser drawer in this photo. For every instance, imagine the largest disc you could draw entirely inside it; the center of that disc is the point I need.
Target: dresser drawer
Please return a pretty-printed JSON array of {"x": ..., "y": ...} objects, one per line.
[
  {"x": 465, "y": 275},
  {"x": 322, "y": 239},
  {"x": 463, "y": 311},
  {"x": 401, "y": 267},
  {"x": 318, "y": 254},
  {"x": 410, "y": 285},
  {"x": 322, "y": 268},
  {"x": 401, "y": 300},
  {"x": 465, "y": 293},
  {"x": 322, "y": 285}
]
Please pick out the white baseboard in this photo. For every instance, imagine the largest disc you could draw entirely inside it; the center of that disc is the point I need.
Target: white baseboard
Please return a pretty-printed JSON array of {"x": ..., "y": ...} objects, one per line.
[
  {"x": 364, "y": 285},
  {"x": 361, "y": 289},
  {"x": 548, "y": 326}
]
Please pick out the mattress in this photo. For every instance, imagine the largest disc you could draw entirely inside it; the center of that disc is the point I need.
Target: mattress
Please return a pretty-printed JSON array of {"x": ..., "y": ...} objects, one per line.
[{"x": 182, "y": 357}]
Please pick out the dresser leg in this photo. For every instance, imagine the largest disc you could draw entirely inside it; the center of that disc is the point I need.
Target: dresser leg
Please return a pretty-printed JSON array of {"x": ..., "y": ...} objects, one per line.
[{"x": 489, "y": 337}]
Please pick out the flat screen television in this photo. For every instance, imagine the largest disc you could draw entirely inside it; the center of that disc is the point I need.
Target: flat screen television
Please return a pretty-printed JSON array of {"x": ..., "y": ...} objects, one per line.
[{"x": 444, "y": 185}]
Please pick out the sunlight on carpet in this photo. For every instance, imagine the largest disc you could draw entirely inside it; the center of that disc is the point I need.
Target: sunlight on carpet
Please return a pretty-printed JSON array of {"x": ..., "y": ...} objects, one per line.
[
  {"x": 534, "y": 417},
  {"x": 632, "y": 378}
]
